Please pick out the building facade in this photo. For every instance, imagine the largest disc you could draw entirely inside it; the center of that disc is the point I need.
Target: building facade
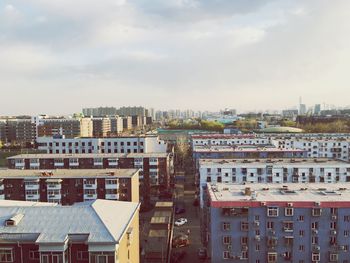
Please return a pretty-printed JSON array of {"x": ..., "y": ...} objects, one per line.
[
  {"x": 122, "y": 144},
  {"x": 156, "y": 169},
  {"x": 67, "y": 187},
  {"x": 61, "y": 236},
  {"x": 277, "y": 223},
  {"x": 280, "y": 171}
]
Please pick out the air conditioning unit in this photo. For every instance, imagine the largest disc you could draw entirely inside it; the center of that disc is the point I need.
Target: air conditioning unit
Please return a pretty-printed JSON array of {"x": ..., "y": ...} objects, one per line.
[
  {"x": 317, "y": 203},
  {"x": 290, "y": 204},
  {"x": 316, "y": 248},
  {"x": 256, "y": 223},
  {"x": 244, "y": 248},
  {"x": 314, "y": 231},
  {"x": 257, "y": 238},
  {"x": 263, "y": 203},
  {"x": 333, "y": 232},
  {"x": 229, "y": 247},
  {"x": 334, "y": 217}
]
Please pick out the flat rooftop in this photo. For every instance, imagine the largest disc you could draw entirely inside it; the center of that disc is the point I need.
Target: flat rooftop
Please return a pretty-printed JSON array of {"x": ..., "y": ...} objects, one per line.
[
  {"x": 67, "y": 173},
  {"x": 276, "y": 161},
  {"x": 225, "y": 136},
  {"x": 87, "y": 155},
  {"x": 291, "y": 192},
  {"x": 248, "y": 149}
]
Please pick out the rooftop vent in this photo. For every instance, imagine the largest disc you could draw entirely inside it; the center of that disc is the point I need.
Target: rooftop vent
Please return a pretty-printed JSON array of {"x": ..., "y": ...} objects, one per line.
[{"x": 14, "y": 220}]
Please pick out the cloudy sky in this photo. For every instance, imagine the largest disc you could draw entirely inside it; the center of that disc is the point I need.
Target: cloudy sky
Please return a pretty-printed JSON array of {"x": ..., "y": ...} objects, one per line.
[{"x": 58, "y": 56}]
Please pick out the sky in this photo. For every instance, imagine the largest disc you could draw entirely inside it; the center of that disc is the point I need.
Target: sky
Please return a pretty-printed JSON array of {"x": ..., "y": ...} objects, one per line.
[{"x": 59, "y": 56}]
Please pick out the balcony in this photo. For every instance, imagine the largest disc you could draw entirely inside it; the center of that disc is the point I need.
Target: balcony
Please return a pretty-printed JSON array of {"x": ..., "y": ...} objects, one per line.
[
  {"x": 54, "y": 196},
  {"x": 34, "y": 165},
  {"x": 54, "y": 186},
  {"x": 19, "y": 165},
  {"x": 112, "y": 186},
  {"x": 59, "y": 164},
  {"x": 112, "y": 196},
  {"x": 90, "y": 196},
  {"x": 2, "y": 186},
  {"x": 33, "y": 197},
  {"x": 73, "y": 164},
  {"x": 32, "y": 186},
  {"x": 90, "y": 186},
  {"x": 154, "y": 162}
]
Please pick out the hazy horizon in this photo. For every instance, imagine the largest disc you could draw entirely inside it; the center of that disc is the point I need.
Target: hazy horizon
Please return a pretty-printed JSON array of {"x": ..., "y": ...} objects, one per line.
[{"x": 57, "y": 57}]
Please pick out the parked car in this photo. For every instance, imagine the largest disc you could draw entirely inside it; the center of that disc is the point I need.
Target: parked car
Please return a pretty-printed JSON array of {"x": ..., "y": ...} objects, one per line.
[
  {"x": 180, "y": 210},
  {"x": 178, "y": 256},
  {"x": 180, "y": 222},
  {"x": 202, "y": 253},
  {"x": 180, "y": 241}
]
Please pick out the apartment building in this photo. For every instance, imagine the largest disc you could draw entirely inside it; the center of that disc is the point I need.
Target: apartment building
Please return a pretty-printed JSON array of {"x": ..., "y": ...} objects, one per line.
[
  {"x": 277, "y": 223},
  {"x": 122, "y": 144},
  {"x": 159, "y": 240},
  {"x": 156, "y": 169},
  {"x": 245, "y": 151},
  {"x": 82, "y": 233},
  {"x": 101, "y": 127},
  {"x": 229, "y": 139},
  {"x": 127, "y": 123},
  {"x": 280, "y": 171},
  {"x": 86, "y": 127},
  {"x": 116, "y": 125},
  {"x": 17, "y": 130},
  {"x": 317, "y": 146},
  {"x": 67, "y": 187},
  {"x": 51, "y": 126}
]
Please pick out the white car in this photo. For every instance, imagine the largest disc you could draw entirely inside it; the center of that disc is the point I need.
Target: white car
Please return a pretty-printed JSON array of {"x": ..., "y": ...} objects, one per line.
[{"x": 180, "y": 222}]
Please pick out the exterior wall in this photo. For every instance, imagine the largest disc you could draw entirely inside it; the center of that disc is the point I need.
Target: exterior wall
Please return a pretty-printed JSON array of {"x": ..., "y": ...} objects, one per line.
[
  {"x": 102, "y": 145},
  {"x": 70, "y": 190},
  {"x": 129, "y": 247},
  {"x": 259, "y": 237},
  {"x": 86, "y": 127},
  {"x": 51, "y": 127},
  {"x": 273, "y": 173}
]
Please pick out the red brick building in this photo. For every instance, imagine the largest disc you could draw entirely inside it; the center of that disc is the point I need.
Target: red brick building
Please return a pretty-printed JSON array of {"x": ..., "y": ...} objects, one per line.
[
  {"x": 81, "y": 233},
  {"x": 67, "y": 187},
  {"x": 156, "y": 169}
]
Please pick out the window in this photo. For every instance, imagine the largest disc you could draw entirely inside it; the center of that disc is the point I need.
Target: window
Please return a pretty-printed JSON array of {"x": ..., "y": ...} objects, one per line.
[
  {"x": 82, "y": 255},
  {"x": 301, "y": 218},
  {"x": 244, "y": 226},
  {"x": 314, "y": 240},
  {"x": 226, "y": 240},
  {"x": 288, "y": 226},
  {"x": 288, "y": 211},
  {"x": 333, "y": 225},
  {"x": 346, "y": 233},
  {"x": 315, "y": 257},
  {"x": 226, "y": 255},
  {"x": 6, "y": 255},
  {"x": 346, "y": 218},
  {"x": 314, "y": 225},
  {"x": 226, "y": 226},
  {"x": 244, "y": 240},
  {"x": 316, "y": 211},
  {"x": 301, "y": 233},
  {"x": 34, "y": 254},
  {"x": 272, "y": 211},
  {"x": 333, "y": 257},
  {"x": 270, "y": 225},
  {"x": 272, "y": 257},
  {"x": 301, "y": 248}
]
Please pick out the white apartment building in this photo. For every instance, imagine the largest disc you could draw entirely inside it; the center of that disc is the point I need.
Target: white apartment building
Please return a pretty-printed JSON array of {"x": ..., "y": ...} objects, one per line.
[
  {"x": 335, "y": 146},
  {"x": 229, "y": 139},
  {"x": 125, "y": 144},
  {"x": 332, "y": 147},
  {"x": 290, "y": 170}
]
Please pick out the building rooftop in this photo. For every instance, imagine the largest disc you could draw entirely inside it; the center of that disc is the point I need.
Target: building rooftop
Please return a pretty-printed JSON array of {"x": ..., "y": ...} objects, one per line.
[
  {"x": 87, "y": 155},
  {"x": 243, "y": 149},
  {"x": 291, "y": 192},
  {"x": 224, "y": 136},
  {"x": 278, "y": 161},
  {"x": 104, "y": 221},
  {"x": 67, "y": 173}
]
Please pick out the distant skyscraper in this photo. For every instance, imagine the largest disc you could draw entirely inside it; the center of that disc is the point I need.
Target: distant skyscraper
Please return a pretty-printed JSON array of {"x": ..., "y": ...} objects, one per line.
[
  {"x": 302, "y": 109},
  {"x": 317, "y": 109}
]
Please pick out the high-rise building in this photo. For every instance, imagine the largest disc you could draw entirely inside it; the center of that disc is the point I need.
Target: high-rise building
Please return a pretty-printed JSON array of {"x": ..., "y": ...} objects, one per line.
[{"x": 317, "y": 109}]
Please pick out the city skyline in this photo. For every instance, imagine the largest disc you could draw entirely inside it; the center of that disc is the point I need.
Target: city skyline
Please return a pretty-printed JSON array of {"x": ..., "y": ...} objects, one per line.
[{"x": 60, "y": 57}]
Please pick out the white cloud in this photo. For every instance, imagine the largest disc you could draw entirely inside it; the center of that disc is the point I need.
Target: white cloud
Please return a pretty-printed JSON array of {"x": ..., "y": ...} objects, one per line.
[{"x": 176, "y": 53}]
